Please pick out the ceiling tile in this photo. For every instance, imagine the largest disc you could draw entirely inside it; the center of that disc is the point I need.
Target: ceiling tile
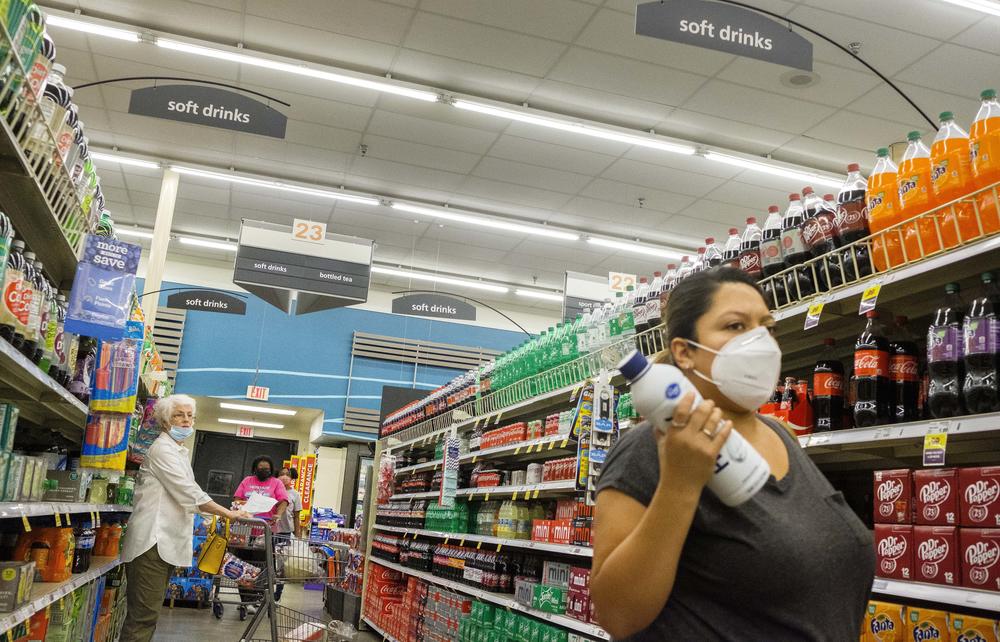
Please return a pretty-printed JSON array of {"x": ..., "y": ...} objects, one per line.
[
  {"x": 416, "y": 154},
  {"x": 364, "y": 19},
  {"x": 202, "y": 208},
  {"x": 754, "y": 107},
  {"x": 576, "y": 101},
  {"x": 589, "y": 215},
  {"x": 462, "y": 76},
  {"x": 724, "y": 215},
  {"x": 548, "y": 155},
  {"x": 932, "y": 18},
  {"x": 501, "y": 192},
  {"x": 837, "y": 86},
  {"x": 983, "y": 35},
  {"x": 217, "y": 193},
  {"x": 173, "y": 15},
  {"x": 855, "y": 130},
  {"x": 326, "y": 138},
  {"x": 520, "y": 173},
  {"x": 429, "y": 132},
  {"x": 628, "y": 194},
  {"x": 661, "y": 178},
  {"x": 553, "y": 19},
  {"x": 955, "y": 69},
  {"x": 721, "y": 131},
  {"x": 393, "y": 175},
  {"x": 453, "y": 233},
  {"x": 883, "y": 102}
]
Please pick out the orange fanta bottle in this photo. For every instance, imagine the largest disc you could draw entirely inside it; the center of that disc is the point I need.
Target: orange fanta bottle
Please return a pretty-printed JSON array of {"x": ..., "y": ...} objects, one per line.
[
  {"x": 984, "y": 144},
  {"x": 951, "y": 178},
  {"x": 883, "y": 212},
  {"x": 916, "y": 196}
]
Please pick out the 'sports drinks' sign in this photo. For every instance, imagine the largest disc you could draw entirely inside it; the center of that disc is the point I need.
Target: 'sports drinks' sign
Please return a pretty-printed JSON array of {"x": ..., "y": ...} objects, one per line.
[
  {"x": 437, "y": 306},
  {"x": 724, "y": 27},
  {"x": 302, "y": 276},
  {"x": 583, "y": 292},
  {"x": 212, "y": 106}
]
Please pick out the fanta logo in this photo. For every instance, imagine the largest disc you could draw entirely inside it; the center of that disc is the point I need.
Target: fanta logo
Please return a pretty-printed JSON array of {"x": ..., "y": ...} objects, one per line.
[
  {"x": 934, "y": 492},
  {"x": 982, "y": 492},
  {"x": 932, "y": 550},
  {"x": 890, "y": 490},
  {"x": 907, "y": 185},
  {"x": 876, "y": 200},
  {"x": 970, "y": 636},
  {"x": 882, "y": 624},
  {"x": 939, "y": 170},
  {"x": 893, "y": 547},
  {"x": 929, "y": 633},
  {"x": 982, "y": 555}
]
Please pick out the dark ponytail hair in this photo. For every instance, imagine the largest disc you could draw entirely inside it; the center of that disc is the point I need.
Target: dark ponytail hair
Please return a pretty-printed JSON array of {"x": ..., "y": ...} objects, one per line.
[{"x": 692, "y": 297}]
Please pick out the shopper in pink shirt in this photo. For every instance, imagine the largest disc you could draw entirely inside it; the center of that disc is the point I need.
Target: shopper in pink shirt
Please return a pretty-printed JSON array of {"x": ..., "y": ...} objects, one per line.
[{"x": 263, "y": 482}]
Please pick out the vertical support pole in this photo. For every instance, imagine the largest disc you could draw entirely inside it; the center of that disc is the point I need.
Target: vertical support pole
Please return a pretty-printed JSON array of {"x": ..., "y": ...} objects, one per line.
[{"x": 161, "y": 240}]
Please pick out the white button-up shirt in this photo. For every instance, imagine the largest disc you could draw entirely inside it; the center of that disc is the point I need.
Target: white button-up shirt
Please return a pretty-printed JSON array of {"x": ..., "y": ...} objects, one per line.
[{"x": 166, "y": 499}]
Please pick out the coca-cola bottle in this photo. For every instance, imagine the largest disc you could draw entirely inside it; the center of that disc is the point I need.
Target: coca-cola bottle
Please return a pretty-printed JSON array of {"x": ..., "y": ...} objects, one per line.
[
  {"x": 669, "y": 281},
  {"x": 731, "y": 251},
  {"x": 980, "y": 336},
  {"x": 750, "y": 249},
  {"x": 771, "y": 259},
  {"x": 789, "y": 399},
  {"x": 871, "y": 375},
  {"x": 713, "y": 255},
  {"x": 771, "y": 406},
  {"x": 904, "y": 373},
  {"x": 944, "y": 356},
  {"x": 779, "y": 397},
  {"x": 828, "y": 390},
  {"x": 817, "y": 223},
  {"x": 801, "y": 415},
  {"x": 851, "y": 223}
]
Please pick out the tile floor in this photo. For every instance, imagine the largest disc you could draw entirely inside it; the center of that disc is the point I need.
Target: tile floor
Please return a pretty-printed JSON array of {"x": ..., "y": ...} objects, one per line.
[{"x": 182, "y": 624}]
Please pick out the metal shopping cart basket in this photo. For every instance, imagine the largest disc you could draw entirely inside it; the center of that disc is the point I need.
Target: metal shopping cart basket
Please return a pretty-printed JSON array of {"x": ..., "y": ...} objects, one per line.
[{"x": 249, "y": 541}]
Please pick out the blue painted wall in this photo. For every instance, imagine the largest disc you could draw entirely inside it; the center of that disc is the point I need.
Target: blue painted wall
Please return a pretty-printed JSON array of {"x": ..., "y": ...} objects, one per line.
[{"x": 305, "y": 360}]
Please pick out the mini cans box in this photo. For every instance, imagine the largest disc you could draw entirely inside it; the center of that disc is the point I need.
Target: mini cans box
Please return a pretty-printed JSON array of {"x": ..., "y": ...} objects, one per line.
[
  {"x": 555, "y": 574},
  {"x": 885, "y": 622},
  {"x": 927, "y": 624},
  {"x": 894, "y": 551},
  {"x": 980, "y": 496},
  {"x": 935, "y": 494},
  {"x": 893, "y": 492},
  {"x": 578, "y": 605},
  {"x": 935, "y": 550},
  {"x": 979, "y": 550},
  {"x": 579, "y": 578},
  {"x": 968, "y": 628}
]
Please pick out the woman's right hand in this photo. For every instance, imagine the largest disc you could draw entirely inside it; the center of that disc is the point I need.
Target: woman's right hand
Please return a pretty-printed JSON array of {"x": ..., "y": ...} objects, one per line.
[
  {"x": 687, "y": 452},
  {"x": 238, "y": 514}
]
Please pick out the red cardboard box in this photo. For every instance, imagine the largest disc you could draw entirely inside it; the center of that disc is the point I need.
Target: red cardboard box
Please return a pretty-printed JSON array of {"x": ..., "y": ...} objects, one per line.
[
  {"x": 893, "y": 494},
  {"x": 894, "y": 551},
  {"x": 578, "y": 605},
  {"x": 935, "y": 494},
  {"x": 980, "y": 555},
  {"x": 579, "y": 579},
  {"x": 980, "y": 496},
  {"x": 935, "y": 554}
]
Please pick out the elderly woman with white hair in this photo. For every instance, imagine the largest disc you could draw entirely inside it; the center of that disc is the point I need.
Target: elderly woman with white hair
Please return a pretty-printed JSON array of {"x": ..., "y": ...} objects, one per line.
[{"x": 159, "y": 534}]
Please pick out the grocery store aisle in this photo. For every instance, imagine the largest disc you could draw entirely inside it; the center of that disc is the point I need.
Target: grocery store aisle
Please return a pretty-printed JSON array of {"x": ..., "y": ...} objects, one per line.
[{"x": 187, "y": 624}]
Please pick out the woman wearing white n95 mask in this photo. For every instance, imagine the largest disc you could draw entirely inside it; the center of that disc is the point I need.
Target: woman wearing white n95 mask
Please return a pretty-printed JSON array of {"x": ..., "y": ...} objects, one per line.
[
  {"x": 159, "y": 534},
  {"x": 793, "y": 562}
]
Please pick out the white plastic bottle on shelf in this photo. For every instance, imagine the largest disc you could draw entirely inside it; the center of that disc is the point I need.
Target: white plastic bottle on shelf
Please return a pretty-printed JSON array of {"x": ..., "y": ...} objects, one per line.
[
  {"x": 626, "y": 318},
  {"x": 639, "y": 305},
  {"x": 653, "y": 301},
  {"x": 740, "y": 471}
]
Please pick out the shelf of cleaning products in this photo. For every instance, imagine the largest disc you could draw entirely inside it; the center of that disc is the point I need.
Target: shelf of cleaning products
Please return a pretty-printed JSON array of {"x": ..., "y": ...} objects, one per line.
[
  {"x": 45, "y": 593},
  {"x": 506, "y": 601},
  {"x": 957, "y": 596},
  {"x": 40, "y": 398},
  {"x": 40, "y": 509},
  {"x": 23, "y": 200},
  {"x": 378, "y": 629},
  {"x": 553, "y": 443},
  {"x": 461, "y": 538}
]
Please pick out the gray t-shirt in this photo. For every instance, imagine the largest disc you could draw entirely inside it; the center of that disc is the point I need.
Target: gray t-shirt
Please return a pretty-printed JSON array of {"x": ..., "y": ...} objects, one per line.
[
  {"x": 288, "y": 519},
  {"x": 792, "y": 563}
]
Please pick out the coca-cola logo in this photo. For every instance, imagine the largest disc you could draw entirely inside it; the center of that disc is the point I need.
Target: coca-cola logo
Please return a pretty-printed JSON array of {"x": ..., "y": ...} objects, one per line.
[
  {"x": 892, "y": 547},
  {"x": 24, "y": 311},
  {"x": 890, "y": 490},
  {"x": 903, "y": 368},
  {"x": 881, "y": 624},
  {"x": 831, "y": 385},
  {"x": 982, "y": 493},
  {"x": 934, "y": 492},
  {"x": 926, "y": 631},
  {"x": 932, "y": 550},
  {"x": 905, "y": 186},
  {"x": 982, "y": 555}
]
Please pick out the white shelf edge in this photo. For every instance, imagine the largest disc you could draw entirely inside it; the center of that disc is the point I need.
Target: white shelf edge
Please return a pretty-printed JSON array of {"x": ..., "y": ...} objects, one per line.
[
  {"x": 954, "y": 595},
  {"x": 36, "y": 604},
  {"x": 506, "y": 601},
  {"x": 474, "y": 455},
  {"x": 36, "y": 509},
  {"x": 562, "y": 484},
  {"x": 378, "y": 629},
  {"x": 531, "y": 545},
  {"x": 954, "y": 426}
]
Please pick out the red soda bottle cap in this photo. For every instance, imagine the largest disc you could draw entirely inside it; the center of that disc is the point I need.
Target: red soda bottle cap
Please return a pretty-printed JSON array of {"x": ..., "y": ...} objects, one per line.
[
  {"x": 751, "y": 220},
  {"x": 828, "y": 197},
  {"x": 854, "y": 167},
  {"x": 733, "y": 230},
  {"x": 671, "y": 266},
  {"x": 871, "y": 314},
  {"x": 643, "y": 279},
  {"x": 795, "y": 197},
  {"x": 701, "y": 250},
  {"x": 685, "y": 259},
  {"x": 657, "y": 275},
  {"x": 773, "y": 209},
  {"x": 807, "y": 190},
  {"x": 709, "y": 241}
]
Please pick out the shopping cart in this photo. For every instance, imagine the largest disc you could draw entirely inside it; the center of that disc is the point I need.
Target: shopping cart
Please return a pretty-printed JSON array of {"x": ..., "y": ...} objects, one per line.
[{"x": 281, "y": 558}]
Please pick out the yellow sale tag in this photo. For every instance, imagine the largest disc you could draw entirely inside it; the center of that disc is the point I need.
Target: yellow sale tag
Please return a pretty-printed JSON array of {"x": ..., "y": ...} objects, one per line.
[
  {"x": 479, "y": 545},
  {"x": 461, "y": 542},
  {"x": 446, "y": 540},
  {"x": 487, "y": 497},
  {"x": 513, "y": 497},
  {"x": 499, "y": 414},
  {"x": 58, "y": 520},
  {"x": 935, "y": 445},
  {"x": 27, "y": 524},
  {"x": 869, "y": 298},
  {"x": 812, "y": 316},
  {"x": 499, "y": 546},
  {"x": 535, "y": 494},
  {"x": 565, "y": 441},
  {"x": 68, "y": 523},
  {"x": 517, "y": 451},
  {"x": 552, "y": 445},
  {"x": 474, "y": 458}
]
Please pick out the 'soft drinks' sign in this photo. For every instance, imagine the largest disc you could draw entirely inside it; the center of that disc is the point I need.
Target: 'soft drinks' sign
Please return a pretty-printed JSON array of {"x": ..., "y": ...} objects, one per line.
[{"x": 211, "y": 106}]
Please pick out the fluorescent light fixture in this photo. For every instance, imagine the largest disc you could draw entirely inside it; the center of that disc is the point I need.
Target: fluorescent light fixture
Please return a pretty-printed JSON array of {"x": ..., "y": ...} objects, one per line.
[
  {"x": 261, "y": 409},
  {"x": 535, "y": 294},
  {"x": 774, "y": 170},
  {"x": 258, "y": 424},
  {"x": 605, "y": 133},
  {"x": 986, "y": 6},
  {"x": 276, "y": 185},
  {"x": 91, "y": 28},
  {"x": 300, "y": 70},
  {"x": 134, "y": 232},
  {"x": 446, "y": 214},
  {"x": 124, "y": 160},
  {"x": 636, "y": 248},
  {"x": 435, "y": 278},
  {"x": 214, "y": 245}
]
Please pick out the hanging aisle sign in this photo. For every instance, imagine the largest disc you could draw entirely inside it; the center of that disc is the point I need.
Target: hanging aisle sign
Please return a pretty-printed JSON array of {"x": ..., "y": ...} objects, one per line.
[
  {"x": 437, "y": 306},
  {"x": 212, "y": 106},
  {"x": 583, "y": 293},
  {"x": 724, "y": 27},
  {"x": 207, "y": 301}
]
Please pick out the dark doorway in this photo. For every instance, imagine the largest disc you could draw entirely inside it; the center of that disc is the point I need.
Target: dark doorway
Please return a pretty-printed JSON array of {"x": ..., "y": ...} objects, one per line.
[{"x": 222, "y": 461}]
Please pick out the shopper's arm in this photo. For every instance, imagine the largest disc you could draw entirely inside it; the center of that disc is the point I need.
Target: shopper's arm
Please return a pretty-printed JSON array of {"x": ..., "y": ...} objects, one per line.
[
  {"x": 637, "y": 548},
  {"x": 212, "y": 508}
]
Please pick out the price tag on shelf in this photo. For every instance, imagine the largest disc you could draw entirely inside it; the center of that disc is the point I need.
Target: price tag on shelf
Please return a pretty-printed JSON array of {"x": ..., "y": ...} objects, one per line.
[
  {"x": 68, "y": 523},
  {"x": 475, "y": 424},
  {"x": 487, "y": 498},
  {"x": 446, "y": 540},
  {"x": 552, "y": 445},
  {"x": 499, "y": 547},
  {"x": 535, "y": 494},
  {"x": 499, "y": 415},
  {"x": 475, "y": 458},
  {"x": 513, "y": 496},
  {"x": 517, "y": 451},
  {"x": 58, "y": 520},
  {"x": 813, "y": 314},
  {"x": 479, "y": 545},
  {"x": 935, "y": 445},
  {"x": 870, "y": 297},
  {"x": 565, "y": 441},
  {"x": 461, "y": 542}
]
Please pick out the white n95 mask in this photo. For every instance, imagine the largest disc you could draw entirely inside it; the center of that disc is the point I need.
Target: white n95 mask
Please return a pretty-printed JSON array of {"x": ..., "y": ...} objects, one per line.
[{"x": 746, "y": 368}]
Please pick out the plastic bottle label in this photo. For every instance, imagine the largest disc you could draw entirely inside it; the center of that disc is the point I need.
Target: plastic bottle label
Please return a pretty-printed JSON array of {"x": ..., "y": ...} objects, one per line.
[
  {"x": 943, "y": 344},
  {"x": 903, "y": 367},
  {"x": 828, "y": 384},
  {"x": 818, "y": 230},
  {"x": 851, "y": 217},
  {"x": 653, "y": 310},
  {"x": 980, "y": 335},
  {"x": 871, "y": 363},
  {"x": 791, "y": 242},
  {"x": 770, "y": 251},
  {"x": 750, "y": 262}
]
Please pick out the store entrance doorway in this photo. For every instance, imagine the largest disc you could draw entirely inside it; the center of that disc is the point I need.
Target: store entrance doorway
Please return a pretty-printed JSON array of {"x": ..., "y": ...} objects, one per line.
[{"x": 222, "y": 461}]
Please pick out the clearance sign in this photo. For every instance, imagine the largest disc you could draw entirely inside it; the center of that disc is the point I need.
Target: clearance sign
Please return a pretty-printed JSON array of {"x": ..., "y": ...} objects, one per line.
[{"x": 306, "y": 476}]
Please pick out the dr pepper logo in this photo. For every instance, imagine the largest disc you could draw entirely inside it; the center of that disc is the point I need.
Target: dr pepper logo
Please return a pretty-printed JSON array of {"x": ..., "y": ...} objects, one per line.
[
  {"x": 891, "y": 549},
  {"x": 931, "y": 553},
  {"x": 932, "y": 494},
  {"x": 980, "y": 557},
  {"x": 979, "y": 495}
]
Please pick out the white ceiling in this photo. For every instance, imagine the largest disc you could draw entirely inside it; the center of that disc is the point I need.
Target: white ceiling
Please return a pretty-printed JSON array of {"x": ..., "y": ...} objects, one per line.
[{"x": 574, "y": 57}]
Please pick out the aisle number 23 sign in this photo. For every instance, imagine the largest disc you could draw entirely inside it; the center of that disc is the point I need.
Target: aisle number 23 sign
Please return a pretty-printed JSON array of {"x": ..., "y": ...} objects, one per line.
[
  {"x": 308, "y": 231},
  {"x": 619, "y": 281}
]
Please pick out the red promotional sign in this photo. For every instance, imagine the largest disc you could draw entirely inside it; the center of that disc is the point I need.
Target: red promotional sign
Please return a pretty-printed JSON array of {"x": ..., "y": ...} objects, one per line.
[{"x": 306, "y": 476}]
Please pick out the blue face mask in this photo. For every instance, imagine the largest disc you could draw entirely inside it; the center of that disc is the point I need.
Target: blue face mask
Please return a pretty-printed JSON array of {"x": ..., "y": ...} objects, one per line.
[{"x": 180, "y": 433}]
